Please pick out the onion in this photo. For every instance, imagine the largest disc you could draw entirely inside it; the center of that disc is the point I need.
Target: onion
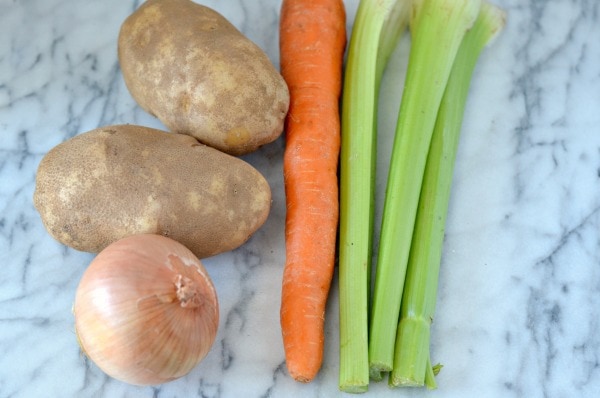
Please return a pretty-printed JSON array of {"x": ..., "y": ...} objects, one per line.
[{"x": 146, "y": 311}]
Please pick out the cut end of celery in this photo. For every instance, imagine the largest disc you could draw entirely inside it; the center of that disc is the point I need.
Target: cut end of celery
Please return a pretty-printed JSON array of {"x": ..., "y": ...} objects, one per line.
[
  {"x": 377, "y": 366},
  {"x": 395, "y": 382},
  {"x": 354, "y": 388},
  {"x": 430, "y": 383},
  {"x": 378, "y": 370},
  {"x": 376, "y": 374}
]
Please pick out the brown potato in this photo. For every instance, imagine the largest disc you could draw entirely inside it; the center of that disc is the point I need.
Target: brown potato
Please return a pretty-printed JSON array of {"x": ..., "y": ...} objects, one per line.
[
  {"x": 191, "y": 68},
  {"x": 122, "y": 180}
]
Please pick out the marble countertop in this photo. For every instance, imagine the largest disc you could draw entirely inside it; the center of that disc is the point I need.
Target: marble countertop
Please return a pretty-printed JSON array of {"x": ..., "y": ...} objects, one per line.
[{"x": 518, "y": 311}]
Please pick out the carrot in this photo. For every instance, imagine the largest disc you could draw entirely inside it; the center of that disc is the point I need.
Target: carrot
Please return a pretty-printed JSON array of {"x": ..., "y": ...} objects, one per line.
[{"x": 312, "y": 43}]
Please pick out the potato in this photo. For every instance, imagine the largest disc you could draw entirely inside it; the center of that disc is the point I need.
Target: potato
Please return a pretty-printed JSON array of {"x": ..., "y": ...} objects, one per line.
[
  {"x": 122, "y": 180},
  {"x": 188, "y": 66}
]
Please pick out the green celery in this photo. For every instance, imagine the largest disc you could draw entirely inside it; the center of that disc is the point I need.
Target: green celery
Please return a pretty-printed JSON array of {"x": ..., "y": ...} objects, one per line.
[
  {"x": 412, "y": 365},
  {"x": 376, "y": 30},
  {"x": 437, "y": 28}
]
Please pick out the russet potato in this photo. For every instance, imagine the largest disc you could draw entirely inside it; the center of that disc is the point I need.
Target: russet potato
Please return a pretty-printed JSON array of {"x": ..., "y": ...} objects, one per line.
[
  {"x": 123, "y": 180},
  {"x": 198, "y": 74}
]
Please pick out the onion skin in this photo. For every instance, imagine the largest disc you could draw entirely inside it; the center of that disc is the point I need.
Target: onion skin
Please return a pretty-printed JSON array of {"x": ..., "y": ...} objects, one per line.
[{"x": 146, "y": 311}]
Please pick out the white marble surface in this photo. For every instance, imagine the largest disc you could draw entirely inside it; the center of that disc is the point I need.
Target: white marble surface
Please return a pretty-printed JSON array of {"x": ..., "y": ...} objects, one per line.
[{"x": 519, "y": 303}]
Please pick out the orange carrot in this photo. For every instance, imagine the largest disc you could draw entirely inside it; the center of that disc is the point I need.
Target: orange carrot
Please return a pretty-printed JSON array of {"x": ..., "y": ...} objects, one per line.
[{"x": 312, "y": 44}]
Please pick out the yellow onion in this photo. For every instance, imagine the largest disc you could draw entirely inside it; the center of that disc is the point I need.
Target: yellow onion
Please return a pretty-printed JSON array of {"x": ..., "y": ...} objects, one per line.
[{"x": 146, "y": 311}]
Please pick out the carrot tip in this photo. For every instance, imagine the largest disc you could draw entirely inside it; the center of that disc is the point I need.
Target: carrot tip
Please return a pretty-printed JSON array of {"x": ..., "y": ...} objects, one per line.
[
  {"x": 301, "y": 375},
  {"x": 302, "y": 379}
]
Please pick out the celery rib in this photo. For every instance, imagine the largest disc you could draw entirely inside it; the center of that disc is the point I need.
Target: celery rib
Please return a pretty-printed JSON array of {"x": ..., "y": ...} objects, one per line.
[
  {"x": 412, "y": 357},
  {"x": 437, "y": 28},
  {"x": 377, "y": 27}
]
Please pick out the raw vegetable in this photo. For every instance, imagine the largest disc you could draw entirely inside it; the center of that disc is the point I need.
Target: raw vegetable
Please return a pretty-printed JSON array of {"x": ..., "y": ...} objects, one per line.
[
  {"x": 376, "y": 30},
  {"x": 122, "y": 180},
  {"x": 412, "y": 358},
  {"x": 146, "y": 311},
  {"x": 199, "y": 75},
  {"x": 437, "y": 28},
  {"x": 312, "y": 43}
]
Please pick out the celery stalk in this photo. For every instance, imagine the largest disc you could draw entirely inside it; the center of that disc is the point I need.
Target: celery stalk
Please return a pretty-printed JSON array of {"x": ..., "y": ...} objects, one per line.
[
  {"x": 412, "y": 365},
  {"x": 377, "y": 28},
  {"x": 437, "y": 28}
]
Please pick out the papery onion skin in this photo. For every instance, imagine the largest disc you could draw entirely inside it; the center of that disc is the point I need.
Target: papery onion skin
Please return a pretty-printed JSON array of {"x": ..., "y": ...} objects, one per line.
[{"x": 146, "y": 311}]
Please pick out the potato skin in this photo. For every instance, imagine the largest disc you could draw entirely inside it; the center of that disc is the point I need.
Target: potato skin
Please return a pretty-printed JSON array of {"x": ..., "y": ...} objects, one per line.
[
  {"x": 191, "y": 68},
  {"x": 123, "y": 180}
]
